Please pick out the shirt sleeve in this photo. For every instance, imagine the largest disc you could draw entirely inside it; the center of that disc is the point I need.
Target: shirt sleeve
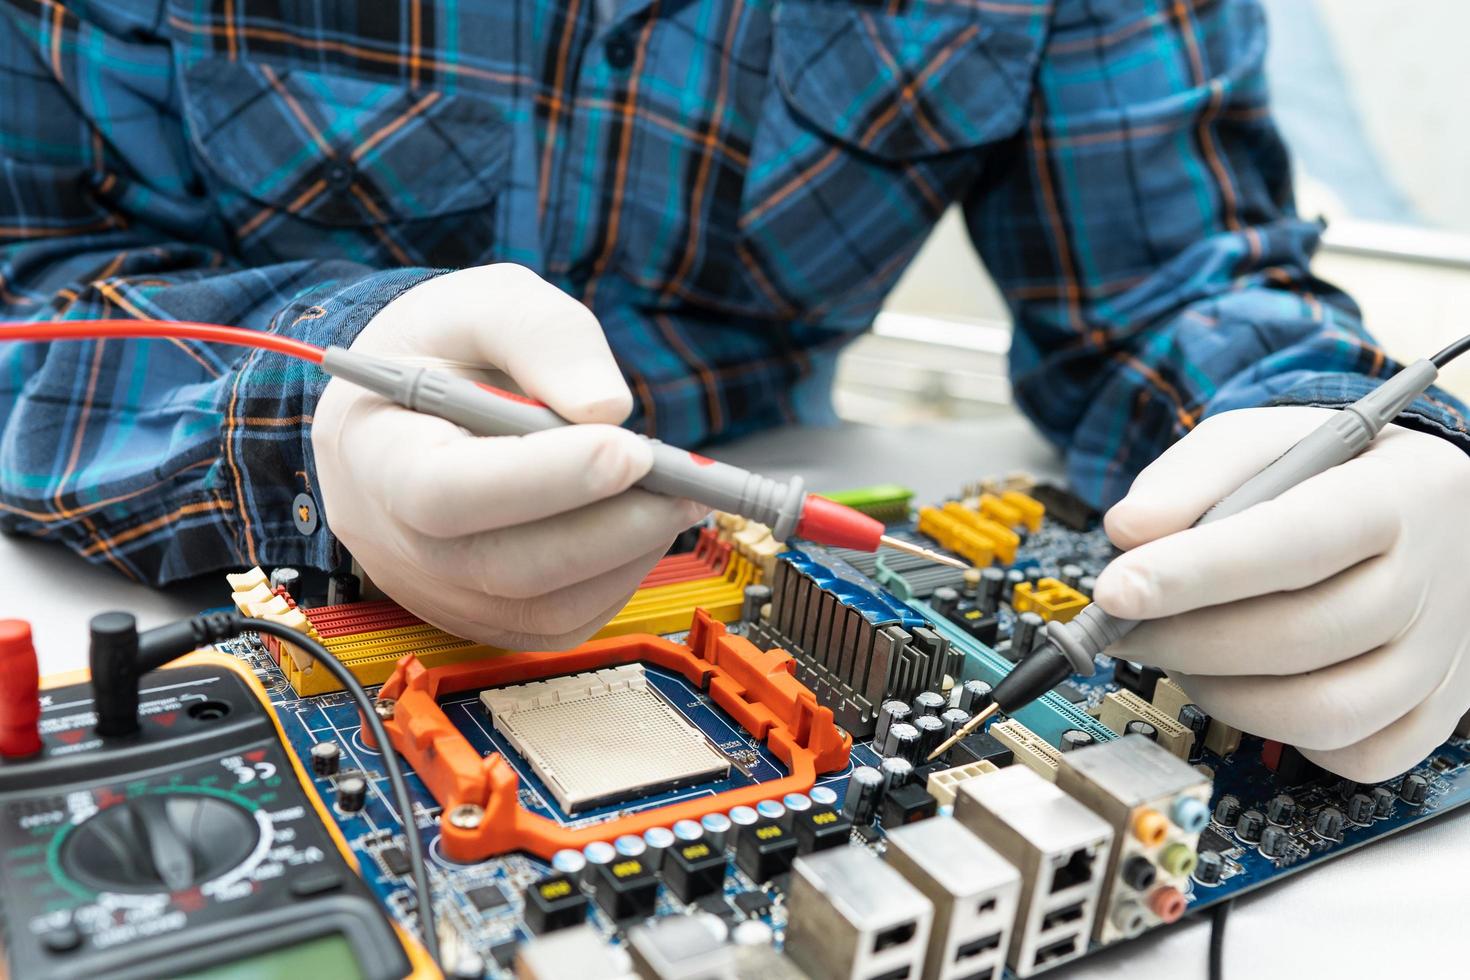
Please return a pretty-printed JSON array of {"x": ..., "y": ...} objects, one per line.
[
  {"x": 1142, "y": 229},
  {"x": 162, "y": 459}
]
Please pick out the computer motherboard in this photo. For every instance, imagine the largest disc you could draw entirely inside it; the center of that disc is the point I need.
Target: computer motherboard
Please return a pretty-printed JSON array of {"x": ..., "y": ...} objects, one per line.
[{"x": 730, "y": 781}]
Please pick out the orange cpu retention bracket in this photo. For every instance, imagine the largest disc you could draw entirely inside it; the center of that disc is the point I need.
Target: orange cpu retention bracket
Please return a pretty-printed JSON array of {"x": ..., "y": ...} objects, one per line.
[{"x": 482, "y": 812}]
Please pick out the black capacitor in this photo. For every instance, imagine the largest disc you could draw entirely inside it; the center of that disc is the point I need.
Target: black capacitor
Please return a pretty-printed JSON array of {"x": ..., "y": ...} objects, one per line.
[
  {"x": 1227, "y": 810},
  {"x": 931, "y": 733},
  {"x": 1347, "y": 789},
  {"x": 326, "y": 758},
  {"x": 1360, "y": 808},
  {"x": 864, "y": 789},
  {"x": 944, "y": 600},
  {"x": 1414, "y": 789},
  {"x": 1014, "y": 577},
  {"x": 975, "y": 695},
  {"x": 970, "y": 579},
  {"x": 1023, "y": 635},
  {"x": 1075, "y": 738},
  {"x": 1140, "y": 727},
  {"x": 1273, "y": 841},
  {"x": 889, "y": 713},
  {"x": 896, "y": 772},
  {"x": 753, "y": 600},
  {"x": 954, "y": 719},
  {"x": 928, "y": 703},
  {"x": 1088, "y": 585},
  {"x": 902, "y": 741},
  {"x": 1207, "y": 871},
  {"x": 1281, "y": 810},
  {"x": 342, "y": 588},
  {"x": 1193, "y": 717},
  {"x": 351, "y": 794},
  {"x": 287, "y": 578},
  {"x": 1328, "y": 823},
  {"x": 1383, "y": 798},
  {"x": 1071, "y": 575},
  {"x": 1248, "y": 828},
  {"x": 992, "y": 589}
]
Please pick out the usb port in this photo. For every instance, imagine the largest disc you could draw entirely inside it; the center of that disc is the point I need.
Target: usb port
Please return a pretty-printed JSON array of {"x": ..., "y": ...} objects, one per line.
[
  {"x": 986, "y": 974},
  {"x": 986, "y": 906},
  {"x": 894, "y": 936},
  {"x": 1056, "y": 917},
  {"x": 897, "y": 973},
  {"x": 975, "y": 947},
  {"x": 1056, "y": 950},
  {"x": 1074, "y": 871}
]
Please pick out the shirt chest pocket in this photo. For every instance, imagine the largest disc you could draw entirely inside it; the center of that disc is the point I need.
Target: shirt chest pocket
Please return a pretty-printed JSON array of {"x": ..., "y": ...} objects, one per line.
[
  {"x": 299, "y": 162},
  {"x": 873, "y": 122}
]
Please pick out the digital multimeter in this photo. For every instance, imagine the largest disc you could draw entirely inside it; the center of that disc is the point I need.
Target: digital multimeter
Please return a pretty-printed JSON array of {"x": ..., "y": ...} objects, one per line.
[{"x": 195, "y": 848}]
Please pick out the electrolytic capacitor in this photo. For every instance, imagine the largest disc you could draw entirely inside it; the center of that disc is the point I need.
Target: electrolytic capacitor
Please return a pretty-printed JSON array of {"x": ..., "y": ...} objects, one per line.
[
  {"x": 931, "y": 733},
  {"x": 716, "y": 829},
  {"x": 975, "y": 695},
  {"x": 1281, "y": 810},
  {"x": 1014, "y": 577},
  {"x": 823, "y": 796},
  {"x": 1328, "y": 823},
  {"x": 657, "y": 840},
  {"x": 992, "y": 590},
  {"x": 1248, "y": 828},
  {"x": 1088, "y": 585},
  {"x": 944, "y": 600},
  {"x": 287, "y": 578},
  {"x": 889, "y": 712},
  {"x": 688, "y": 831},
  {"x": 1273, "y": 841},
  {"x": 351, "y": 794},
  {"x": 742, "y": 818},
  {"x": 1360, "y": 808},
  {"x": 1414, "y": 789},
  {"x": 597, "y": 853},
  {"x": 342, "y": 588},
  {"x": 928, "y": 703},
  {"x": 568, "y": 861},
  {"x": 773, "y": 810},
  {"x": 630, "y": 845},
  {"x": 1023, "y": 636},
  {"x": 326, "y": 758},
  {"x": 1140, "y": 727},
  {"x": 902, "y": 741},
  {"x": 797, "y": 802},
  {"x": 1208, "y": 869},
  {"x": 971, "y": 578},
  {"x": 1383, "y": 798},
  {"x": 1227, "y": 810},
  {"x": 1073, "y": 739},
  {"x": 1193, "y": 717},
  {"x": 1071, "y": 575},
  {"x": 954, "y": 719},
  {"x": 864, "y": 787},
  {"x": 896, "y": 772},
  {"x": 752, "y": 600}
]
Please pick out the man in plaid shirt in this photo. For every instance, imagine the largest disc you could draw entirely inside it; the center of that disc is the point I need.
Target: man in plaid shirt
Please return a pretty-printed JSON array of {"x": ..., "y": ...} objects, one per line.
[{"x": 673, "y": 215}]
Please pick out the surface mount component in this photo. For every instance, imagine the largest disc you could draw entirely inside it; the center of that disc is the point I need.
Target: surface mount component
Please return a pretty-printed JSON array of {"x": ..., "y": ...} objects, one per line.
[
  {"x": 602, "y": 737},
  {"x": 852, "y": 917}
]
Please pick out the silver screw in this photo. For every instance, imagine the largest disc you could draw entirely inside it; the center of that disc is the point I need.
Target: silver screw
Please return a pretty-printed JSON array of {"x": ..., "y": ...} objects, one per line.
[
  {"x": 466, "y": 816},
  {"x": 385, "y": 707}
]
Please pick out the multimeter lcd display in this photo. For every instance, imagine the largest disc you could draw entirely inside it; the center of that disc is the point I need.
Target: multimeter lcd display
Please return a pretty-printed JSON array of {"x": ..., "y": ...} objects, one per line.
[{"x": 324, "y": 956}]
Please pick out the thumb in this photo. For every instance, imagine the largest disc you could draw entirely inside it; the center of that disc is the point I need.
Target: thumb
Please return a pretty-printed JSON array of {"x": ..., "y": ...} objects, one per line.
[{"x": 1219, "y": 456}]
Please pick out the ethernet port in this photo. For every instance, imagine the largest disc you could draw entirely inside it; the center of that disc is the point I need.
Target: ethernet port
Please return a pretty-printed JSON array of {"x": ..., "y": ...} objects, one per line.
[
  {"x": 986, "y": 906},
  {"x": 1076, "y": 870},
  {"x": 977, "y": 947},
  {"x": 1056, "y": 950},
  {"x": 1061, "y": 916},
  {"x": 894, "y": 936}
]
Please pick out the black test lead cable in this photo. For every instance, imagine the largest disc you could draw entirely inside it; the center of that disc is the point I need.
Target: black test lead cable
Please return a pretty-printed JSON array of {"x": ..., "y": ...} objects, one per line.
[{"x": 158, "y": 646}]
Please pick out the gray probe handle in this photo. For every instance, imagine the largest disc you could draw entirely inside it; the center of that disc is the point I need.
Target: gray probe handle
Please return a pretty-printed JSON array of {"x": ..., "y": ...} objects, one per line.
[
  {"x": 484, "y": 411},
  {"x": 1347, "y": 433}
]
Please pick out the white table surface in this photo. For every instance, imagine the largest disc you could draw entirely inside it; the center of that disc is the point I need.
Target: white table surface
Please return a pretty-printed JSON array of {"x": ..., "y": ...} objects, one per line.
[{"x": 1394, "y": 909}]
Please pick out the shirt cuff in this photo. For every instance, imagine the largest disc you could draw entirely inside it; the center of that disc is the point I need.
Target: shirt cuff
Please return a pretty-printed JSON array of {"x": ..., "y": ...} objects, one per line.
[
  {"x": 267, "y": 459},
  {"x": 1434, "y": 412}
]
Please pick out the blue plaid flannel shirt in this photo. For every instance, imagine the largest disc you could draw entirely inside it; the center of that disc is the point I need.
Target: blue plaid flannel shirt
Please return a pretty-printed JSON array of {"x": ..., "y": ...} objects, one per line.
[{"x": 731, "y": 185}]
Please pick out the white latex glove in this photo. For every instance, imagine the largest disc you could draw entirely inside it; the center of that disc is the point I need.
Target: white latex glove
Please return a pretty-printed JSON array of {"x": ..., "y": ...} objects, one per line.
[
  {"x": 528, "y": 542},
  {"x": 1333, "y": 618}
]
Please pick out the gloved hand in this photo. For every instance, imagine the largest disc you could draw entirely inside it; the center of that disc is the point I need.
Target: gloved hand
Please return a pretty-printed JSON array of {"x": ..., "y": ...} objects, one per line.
[
  {"x": 529, "y": 542},
  {"x": 1335, "y": 618}
]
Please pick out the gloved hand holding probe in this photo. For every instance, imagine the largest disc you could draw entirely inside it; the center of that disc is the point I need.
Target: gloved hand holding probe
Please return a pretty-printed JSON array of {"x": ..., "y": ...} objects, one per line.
[
  {"x": 529, "y": 542},
  {"x": 1332, "y": 617}
]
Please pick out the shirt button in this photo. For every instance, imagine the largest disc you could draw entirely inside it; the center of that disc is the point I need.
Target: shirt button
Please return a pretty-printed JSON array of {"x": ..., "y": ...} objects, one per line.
[
  {"x": 303, "y": 512},
  {"x": 340, "y": 176},
  {"x": 619, "y": 50}
]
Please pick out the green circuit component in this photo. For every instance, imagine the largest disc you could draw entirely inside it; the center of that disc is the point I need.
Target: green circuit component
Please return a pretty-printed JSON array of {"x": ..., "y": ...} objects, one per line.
[{"x": 888, "y": 502}]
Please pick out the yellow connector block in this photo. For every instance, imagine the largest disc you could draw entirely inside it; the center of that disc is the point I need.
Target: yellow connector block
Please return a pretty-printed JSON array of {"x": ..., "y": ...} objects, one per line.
[
  {"x": 956, "y": 536},
  {"x": 1049, "y": 598},
  {"x": 1001, "y": 538},
  {"x": 999, "y": 510},
  {"x": 1032, "y": 510},
  {"x": 669, "y": 608}
]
